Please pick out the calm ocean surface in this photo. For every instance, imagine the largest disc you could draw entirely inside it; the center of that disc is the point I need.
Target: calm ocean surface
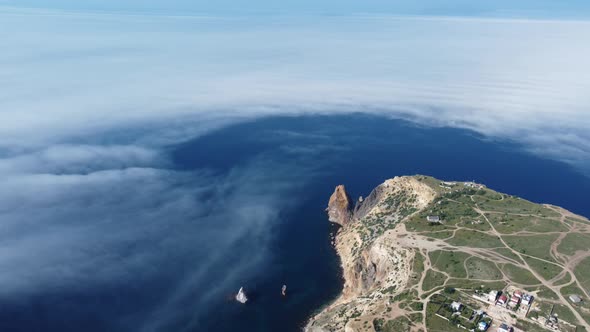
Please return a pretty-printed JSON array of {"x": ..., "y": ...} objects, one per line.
[
  {"x": 317, "y": 153},
  {"x": 361, "y": 152}
]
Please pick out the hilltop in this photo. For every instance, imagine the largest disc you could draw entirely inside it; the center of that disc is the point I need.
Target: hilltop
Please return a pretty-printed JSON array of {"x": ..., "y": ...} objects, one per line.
[{"x": 421, "y": 254}]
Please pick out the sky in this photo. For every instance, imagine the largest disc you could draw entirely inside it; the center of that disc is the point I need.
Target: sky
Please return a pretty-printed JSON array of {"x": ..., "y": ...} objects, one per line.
[
  {"x": 91, "y": 93},
  {"x": 528, "y": 8}
]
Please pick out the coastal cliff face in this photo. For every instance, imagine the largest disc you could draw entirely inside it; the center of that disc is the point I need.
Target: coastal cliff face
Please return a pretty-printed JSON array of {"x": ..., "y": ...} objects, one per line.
[
  {"x": 375, "y": 265},
  {"x": 400, "y": 266}
]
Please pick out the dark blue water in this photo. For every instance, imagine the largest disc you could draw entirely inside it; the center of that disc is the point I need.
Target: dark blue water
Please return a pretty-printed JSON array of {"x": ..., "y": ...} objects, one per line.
[
  {"x": 359, "y": 151},
  {"x": 316, "y": 153}
]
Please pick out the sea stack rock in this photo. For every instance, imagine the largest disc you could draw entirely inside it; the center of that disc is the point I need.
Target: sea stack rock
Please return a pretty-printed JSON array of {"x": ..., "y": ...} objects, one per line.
[
  {"x": 339, "y": 207},
  {"x": 241, "y": 297}
]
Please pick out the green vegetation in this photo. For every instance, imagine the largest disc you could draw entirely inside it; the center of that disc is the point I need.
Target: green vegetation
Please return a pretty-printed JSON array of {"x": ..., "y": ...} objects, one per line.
[
  {"x": 577, "y": 219},
  {"x": 564, "y": 313},
  {"x": 506, "y": 252},
  {"x": 564, "y": 280},
  {"x": 478, "y": 268},
  {"x": 400, "y": 324},
  {"x": 468, "y": 284},
  {"x": 478, "y": 224},
  {"x": 439, "y": 234},
  {"x": 543, "y": 292},
  {"x": 532, "y": 245},
  {"x": 474, "y": 239},
  {"x": 571, "y": 290},
  {"x": 546, "y": 270},
  {"x": 582, "y": 308},
  {"x": 574, "y": 242},
  {"x": 508, "y": 223},
  {"x": 417, "y": 268},
  {"x": 431, "y": 182},
  {"x": 435, "y": 323},
  {"x": 433, "y": 279},
  {"x": 405, "y": 296},
  {"x": 512, "y": 204},
  {"x": 524, "y": 325},
  {"x": 417, "y": 306},
  {"x": 450, "y": 262},
  {"x": 451, "y": 212},
  {"x": 582, "y": 272},
  {"x": 419, "y": 224},
  {"x": 416, "y": 317},
  {"x": 519, "y": 275}
]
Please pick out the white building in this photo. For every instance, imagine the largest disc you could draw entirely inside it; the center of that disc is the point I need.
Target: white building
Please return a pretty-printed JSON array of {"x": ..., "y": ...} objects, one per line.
[
  {"x": 527, "y": 299},
  {"x": 456, "y": 306},
  {"x": 433, "y": 218},
  {"x": 493, "y": 296},
  {"x": 575, "y": 298}
]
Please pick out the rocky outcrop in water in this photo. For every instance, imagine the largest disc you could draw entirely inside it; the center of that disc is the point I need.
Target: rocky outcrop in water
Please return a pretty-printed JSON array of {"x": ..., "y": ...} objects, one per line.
[
  {"x": 340, "y": 207},
  {"x": 241, "y": 297}
]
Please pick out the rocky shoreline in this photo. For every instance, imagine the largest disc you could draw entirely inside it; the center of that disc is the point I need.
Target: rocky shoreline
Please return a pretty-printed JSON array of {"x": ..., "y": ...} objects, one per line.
[
  {"x": 373, "y": 260},
  {"x": 418, "y": 253}
]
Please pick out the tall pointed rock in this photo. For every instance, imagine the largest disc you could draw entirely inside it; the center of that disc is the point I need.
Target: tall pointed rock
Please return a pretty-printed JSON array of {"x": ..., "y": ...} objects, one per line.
[{"x": 340, "y": 207}]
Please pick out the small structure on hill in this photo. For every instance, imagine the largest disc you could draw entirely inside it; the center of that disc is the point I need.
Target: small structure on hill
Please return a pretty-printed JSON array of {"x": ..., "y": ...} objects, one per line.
[
  {"x": 433, "y": 219},
  {"x": 575, "y": 299},
  {"x": 527, "y": 299},
  {"x": 482, "y": 326},
  {"x": 241, "y": 297},
  {"x": 493, "y": 295},
  {"x": 502, "y": 300},
  {"x": 514, "y": 301}
]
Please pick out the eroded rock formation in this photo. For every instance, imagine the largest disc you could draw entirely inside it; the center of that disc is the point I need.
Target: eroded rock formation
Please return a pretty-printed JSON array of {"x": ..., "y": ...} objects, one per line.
[
  {"x": 340, "y": 207},
  {"x": 374, "y": 264}
]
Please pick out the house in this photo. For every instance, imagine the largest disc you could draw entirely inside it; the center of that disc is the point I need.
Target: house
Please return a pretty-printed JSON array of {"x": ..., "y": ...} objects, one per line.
[
  {"x": 575, "y": 298},
  {"x": 433, "y": 219},
  {"x": 482, "y": 326},
  {"x": 456, "y": 306},
  {"x": 527, "y": 299},
  {"x": 492, "y": 296},
  {"x": 504, "y": 328},
  {"x": 518, "y": 294},
  {"x": 502, "y": 300},
  {"x": 514, "y": 301}
]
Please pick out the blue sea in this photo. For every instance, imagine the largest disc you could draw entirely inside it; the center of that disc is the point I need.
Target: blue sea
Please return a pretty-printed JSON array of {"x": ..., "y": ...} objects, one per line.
[{"x": 292, "y": 163}]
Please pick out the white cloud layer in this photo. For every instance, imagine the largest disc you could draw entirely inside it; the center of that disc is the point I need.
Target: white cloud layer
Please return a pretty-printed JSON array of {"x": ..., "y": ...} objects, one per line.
[
  {"x": 68, "y": 74},
  {"x": 77, "y": 218}
]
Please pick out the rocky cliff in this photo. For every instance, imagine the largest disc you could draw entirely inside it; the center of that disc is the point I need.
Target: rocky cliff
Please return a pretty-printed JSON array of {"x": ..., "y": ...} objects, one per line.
[
  {"x": 400, "y": 269},
  {"x": 340, "y": 206},
  {"x": 374, "y": 263}
]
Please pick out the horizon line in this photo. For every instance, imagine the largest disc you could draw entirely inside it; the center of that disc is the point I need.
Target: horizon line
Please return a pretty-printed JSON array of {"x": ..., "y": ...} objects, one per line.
[{"x": 26, "y": 11}]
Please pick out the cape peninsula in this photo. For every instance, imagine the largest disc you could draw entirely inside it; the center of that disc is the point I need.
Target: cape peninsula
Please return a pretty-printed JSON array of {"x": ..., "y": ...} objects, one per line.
[{"x": 421, "y": 254}]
